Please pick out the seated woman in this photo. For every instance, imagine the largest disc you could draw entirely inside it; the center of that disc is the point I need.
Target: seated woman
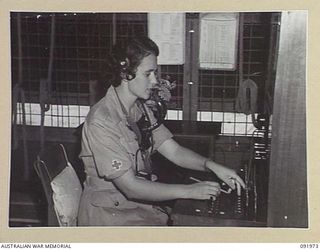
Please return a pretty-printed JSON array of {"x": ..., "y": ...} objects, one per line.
[{"x": 116, "y": 193}]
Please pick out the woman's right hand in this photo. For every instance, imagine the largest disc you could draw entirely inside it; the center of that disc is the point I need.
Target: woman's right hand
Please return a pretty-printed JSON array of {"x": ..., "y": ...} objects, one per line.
[{"x": 203, "y": 190}]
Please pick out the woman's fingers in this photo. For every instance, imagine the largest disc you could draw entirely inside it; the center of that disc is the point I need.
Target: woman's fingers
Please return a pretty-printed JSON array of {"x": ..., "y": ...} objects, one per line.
[
  {"x": 239, "y": 180},
  {"x": 231, "y": 183},
  {"x": 205, "y": 190},
  {"x": 212, "y": 188},
  {"x": 235, "y": 179}
]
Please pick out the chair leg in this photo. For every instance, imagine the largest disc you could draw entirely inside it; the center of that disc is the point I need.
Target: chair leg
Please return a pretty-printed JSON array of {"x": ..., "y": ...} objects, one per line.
[{"x": 52, "y": 218}]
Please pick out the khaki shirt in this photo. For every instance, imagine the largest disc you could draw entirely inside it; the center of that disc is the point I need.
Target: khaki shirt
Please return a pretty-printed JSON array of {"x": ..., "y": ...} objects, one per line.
[{"x": 109, "y": 149}]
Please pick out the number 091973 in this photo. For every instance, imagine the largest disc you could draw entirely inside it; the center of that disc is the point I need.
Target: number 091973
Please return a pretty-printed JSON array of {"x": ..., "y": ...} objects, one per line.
[{"x": 309, "y": 245}]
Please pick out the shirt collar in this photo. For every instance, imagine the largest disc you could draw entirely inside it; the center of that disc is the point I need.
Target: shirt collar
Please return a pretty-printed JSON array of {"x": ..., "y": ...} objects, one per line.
[{"x": 113, "y": 102}]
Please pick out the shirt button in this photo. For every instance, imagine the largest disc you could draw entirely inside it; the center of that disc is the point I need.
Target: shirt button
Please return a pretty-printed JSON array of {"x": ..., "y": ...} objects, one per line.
[{"x": 116, "y": 203}]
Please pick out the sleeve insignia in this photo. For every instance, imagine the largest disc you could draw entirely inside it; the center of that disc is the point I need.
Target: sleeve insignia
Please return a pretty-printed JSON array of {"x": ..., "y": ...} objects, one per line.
[{"x": 116, "y": 164}]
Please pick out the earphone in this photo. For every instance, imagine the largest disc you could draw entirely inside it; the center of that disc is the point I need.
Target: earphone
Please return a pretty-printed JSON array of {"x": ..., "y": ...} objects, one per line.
[{"x": 125, "y": 72}]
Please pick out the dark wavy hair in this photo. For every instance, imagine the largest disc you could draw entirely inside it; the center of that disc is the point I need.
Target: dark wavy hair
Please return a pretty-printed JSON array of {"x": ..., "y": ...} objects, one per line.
[{"x": 125, "y": 57}]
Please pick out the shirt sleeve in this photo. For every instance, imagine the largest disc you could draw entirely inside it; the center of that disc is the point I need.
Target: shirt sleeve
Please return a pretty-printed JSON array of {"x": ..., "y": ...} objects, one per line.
[
  {"x": 110, "y": 157},
  {"x": 160, "y": 134}
]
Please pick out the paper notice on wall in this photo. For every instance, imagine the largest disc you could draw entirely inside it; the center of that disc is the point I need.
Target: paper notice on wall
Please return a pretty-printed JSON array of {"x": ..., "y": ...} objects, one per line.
[
  {"x": 218, "y": 41},
  {"x": 167, "y": 30}
]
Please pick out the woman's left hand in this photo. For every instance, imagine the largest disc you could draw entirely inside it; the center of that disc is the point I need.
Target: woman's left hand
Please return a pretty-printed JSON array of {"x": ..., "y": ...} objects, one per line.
[{"x": 227, "y": 175}]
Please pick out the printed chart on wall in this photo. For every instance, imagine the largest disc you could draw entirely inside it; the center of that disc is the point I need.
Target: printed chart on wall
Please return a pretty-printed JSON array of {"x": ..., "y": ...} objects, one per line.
[
  {"x": 168, "y": 31},
  {"x": 218, "y": 51}
]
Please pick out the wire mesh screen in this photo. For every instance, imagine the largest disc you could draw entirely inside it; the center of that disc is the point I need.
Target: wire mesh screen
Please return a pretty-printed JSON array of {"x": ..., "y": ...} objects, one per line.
[
  {"x": 81, "y": 42},
  {"x": 219, "y": 88},
  {"x": 174, "y": 73}
]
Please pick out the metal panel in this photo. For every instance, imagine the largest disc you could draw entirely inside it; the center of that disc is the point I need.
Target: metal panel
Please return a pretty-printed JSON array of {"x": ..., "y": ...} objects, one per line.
[{"x": 190, "y": 84}]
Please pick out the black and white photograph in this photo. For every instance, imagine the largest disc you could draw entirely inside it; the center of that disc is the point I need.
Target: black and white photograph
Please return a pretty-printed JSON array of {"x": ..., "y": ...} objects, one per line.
[
  {"x": 158, "y": 119},
  {"x": 150, "y": 119}
]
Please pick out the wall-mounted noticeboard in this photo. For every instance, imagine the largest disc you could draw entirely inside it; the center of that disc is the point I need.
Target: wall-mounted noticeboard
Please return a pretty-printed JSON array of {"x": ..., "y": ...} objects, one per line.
[
  {"x": 218, "y": 41},
  {"x": 167, "y": 30}
]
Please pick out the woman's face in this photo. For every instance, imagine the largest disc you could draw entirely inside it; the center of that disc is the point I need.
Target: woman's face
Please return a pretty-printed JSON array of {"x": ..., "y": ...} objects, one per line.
[{"x": 145, "y": 78}]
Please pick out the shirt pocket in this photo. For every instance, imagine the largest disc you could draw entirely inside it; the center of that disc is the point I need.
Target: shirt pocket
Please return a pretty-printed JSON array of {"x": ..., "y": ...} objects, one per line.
[{"x": 111, "y": 199}]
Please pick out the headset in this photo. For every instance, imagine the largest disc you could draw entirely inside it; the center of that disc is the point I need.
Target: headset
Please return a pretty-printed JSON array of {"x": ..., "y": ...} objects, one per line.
[
  {"x": 155, "y": 102},
  {"x": 125, "y": 71}
]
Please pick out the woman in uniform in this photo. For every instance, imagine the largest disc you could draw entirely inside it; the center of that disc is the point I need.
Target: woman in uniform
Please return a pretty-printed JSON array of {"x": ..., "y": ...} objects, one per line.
[{"x": 118, "y": 190}]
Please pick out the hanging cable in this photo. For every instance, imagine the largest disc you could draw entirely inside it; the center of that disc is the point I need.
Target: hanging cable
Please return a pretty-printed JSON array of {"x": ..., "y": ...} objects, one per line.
[
  {"x": 15, "y": 96},
  {"x": 114, "y": 28},
  {"x": 45, "y": 84},
  {"x": 17, "y": 87},
  {"x": 17, "y": 92}
]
